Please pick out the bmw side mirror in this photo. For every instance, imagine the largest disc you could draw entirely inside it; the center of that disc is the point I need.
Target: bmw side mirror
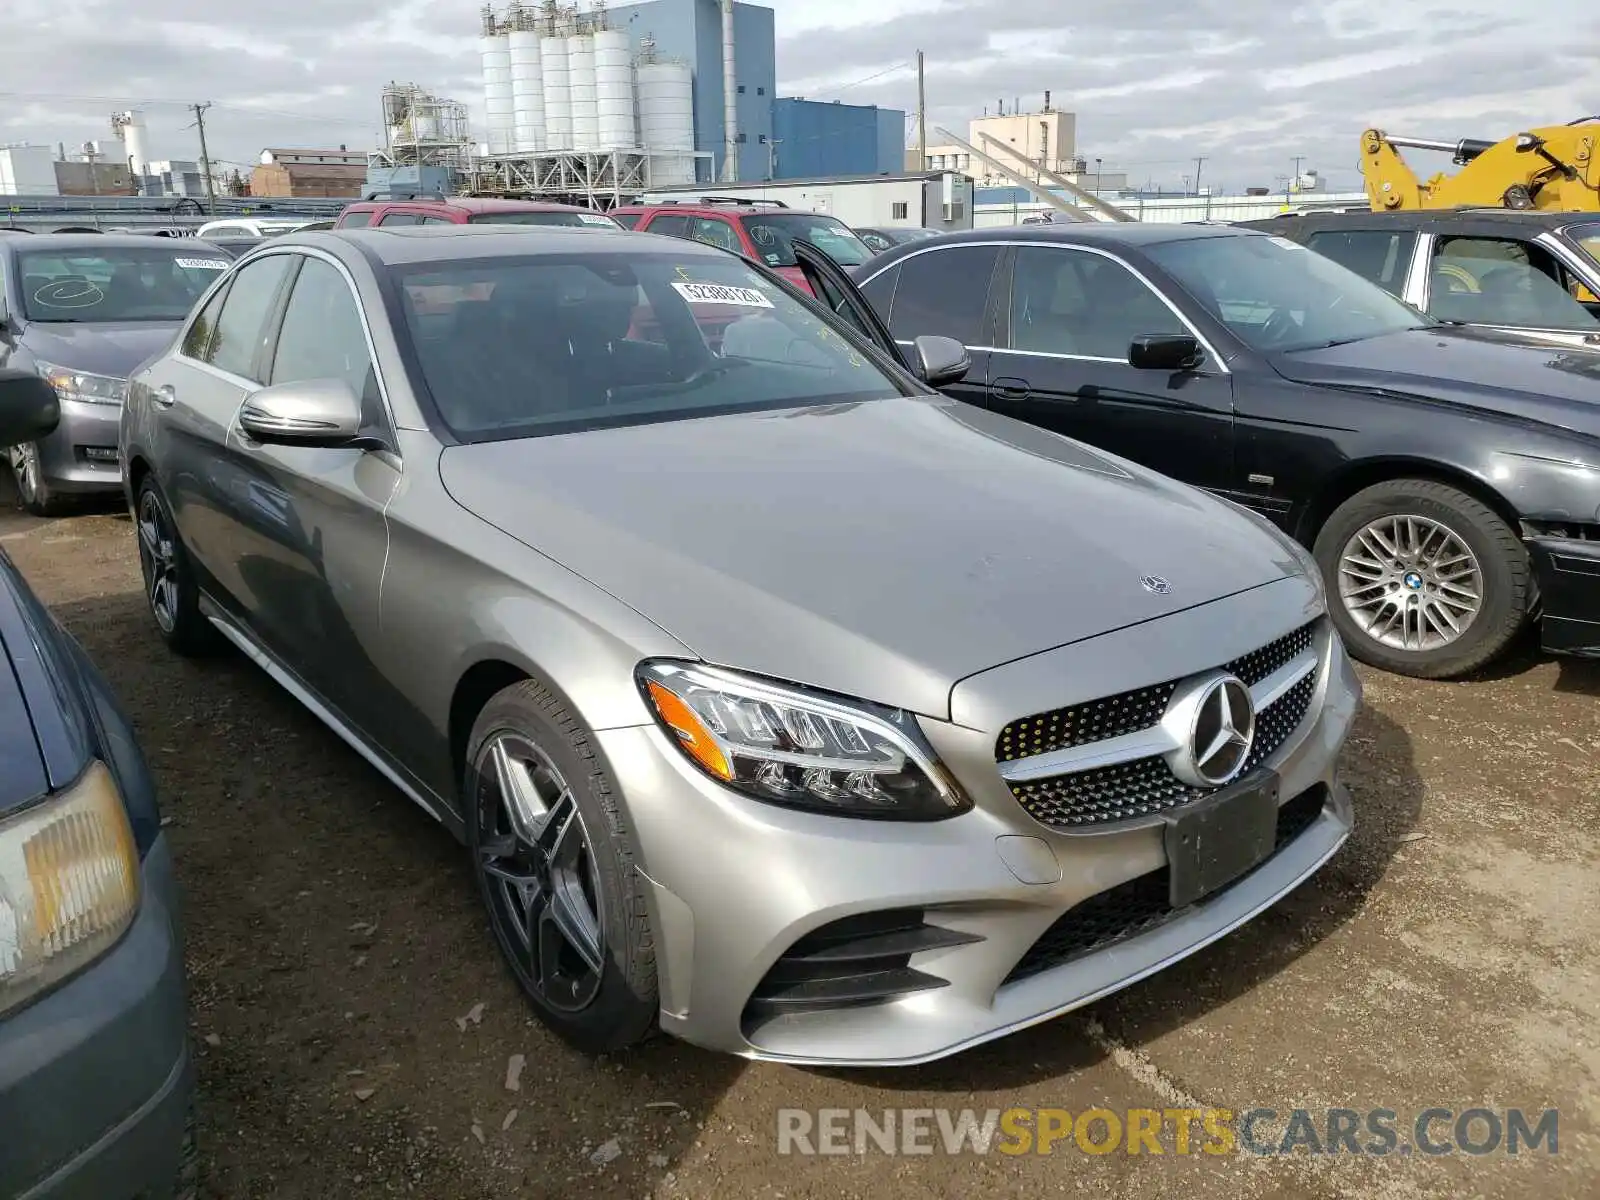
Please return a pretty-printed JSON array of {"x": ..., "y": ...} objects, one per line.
[
  {"x": 29, "y": 409},
  {"x": 313, "y": 412},
  {"x": 940, "y": 360},
  {"x": 1166, "y": 352}
]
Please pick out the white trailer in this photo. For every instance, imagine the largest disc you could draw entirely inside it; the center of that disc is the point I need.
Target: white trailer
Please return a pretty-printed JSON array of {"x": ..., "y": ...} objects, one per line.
[
  {"x": 27, "y": 171},
  {"x": 940, "y": 200}
]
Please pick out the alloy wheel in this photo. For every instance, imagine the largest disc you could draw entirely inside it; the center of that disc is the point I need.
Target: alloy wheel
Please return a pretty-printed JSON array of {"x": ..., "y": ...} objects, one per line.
[
  {"x": 158, "y": 558},
  {"x": 25, "y": 466},
  {"x": 540, "y": 872},
  {"x": 1410, "y": 582}
]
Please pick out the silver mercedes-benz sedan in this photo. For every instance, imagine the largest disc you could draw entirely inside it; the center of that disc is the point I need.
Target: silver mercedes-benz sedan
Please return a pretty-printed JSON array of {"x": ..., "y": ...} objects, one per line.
[{"x": 781, "y": 702}]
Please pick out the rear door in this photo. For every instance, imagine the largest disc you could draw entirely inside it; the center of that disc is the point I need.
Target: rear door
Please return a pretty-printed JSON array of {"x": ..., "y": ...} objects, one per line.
[
  {"x": 671, "y": 224},
  {"x": 1069, "y": 315},
  {"x": 945, "y": 292},
  {"x": 1380, "y": 256}
]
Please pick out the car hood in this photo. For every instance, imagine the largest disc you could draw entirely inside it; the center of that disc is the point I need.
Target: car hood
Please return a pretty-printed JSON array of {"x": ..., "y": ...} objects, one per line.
[
  {"x": 885, "y": 550},
  {"x": 101, "y": 348},
  {"x": 1470, "y": 368}
]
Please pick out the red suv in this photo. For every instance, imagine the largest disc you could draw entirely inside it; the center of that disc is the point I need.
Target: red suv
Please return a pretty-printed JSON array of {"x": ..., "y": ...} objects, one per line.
[
  {"x": 765, "y": 231},
  {"x": 464, "y": 210}
]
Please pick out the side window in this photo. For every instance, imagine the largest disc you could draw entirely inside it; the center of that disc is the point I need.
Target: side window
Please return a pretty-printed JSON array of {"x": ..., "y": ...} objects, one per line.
[
  {"x": 322, "y": 337},
  {"x": 1378, "y": 256},
  {"x": 671, "y": 224},
  {"x": 626, "y": 220},
  {"x": 1502, "y": 281},
  {"x": 1084, "y": 305},
  {"x": 197, "y": 342},
  {"x": 399, "y": 218},
  {"x": 714, "y": 233},
  {"x": 242, "y": 323},
  {"x": 944, "y": 293},
  {"x": 436, "y": 221},
  {"x": 879, "y": 291},
  {"x": 354, "y": 220}
]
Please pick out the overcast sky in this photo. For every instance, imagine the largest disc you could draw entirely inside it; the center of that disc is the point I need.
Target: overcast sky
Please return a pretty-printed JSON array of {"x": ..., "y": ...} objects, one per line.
[{"x": 1248, "y": 84}]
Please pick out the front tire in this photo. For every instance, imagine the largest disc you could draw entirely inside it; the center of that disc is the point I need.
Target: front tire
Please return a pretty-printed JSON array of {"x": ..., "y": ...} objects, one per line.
[
  {"x": 169, "y": 583},
  {"x": 27, "y": 470},
  {"x": 1423, "y": 579},
  {"x": 555, "y": 863}
]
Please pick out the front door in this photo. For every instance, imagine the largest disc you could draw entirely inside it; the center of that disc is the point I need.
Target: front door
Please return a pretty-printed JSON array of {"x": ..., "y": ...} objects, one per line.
[
  {"x": 1068, "y": 317},
  {"x": 833, "y": 288},
  {"x": 1510, "y": 283}
]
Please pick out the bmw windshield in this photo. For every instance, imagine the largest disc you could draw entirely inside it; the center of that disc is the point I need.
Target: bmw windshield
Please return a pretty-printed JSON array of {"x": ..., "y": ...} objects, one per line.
[
  {"x": 1278, "y": 296},
  {"x": 116, "y": 283},
  {"x": 516, "y": 347}
]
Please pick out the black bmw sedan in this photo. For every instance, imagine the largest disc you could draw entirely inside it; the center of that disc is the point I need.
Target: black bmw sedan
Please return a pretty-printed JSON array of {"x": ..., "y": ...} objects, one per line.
[{"x": 1446, "y": 478}]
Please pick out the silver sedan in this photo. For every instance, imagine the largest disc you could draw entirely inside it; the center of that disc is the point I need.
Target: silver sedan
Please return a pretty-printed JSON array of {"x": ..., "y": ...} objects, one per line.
[{"x": 781, "y": 702}]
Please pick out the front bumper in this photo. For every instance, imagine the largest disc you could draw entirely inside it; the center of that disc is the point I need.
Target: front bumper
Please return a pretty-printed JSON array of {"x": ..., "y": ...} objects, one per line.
[
  {"x": 96, "y": 1077},
  {"x": 1568, "y": 573},
  {"x": 81, "y": 455},
  {"x": 734, "y": 884}
]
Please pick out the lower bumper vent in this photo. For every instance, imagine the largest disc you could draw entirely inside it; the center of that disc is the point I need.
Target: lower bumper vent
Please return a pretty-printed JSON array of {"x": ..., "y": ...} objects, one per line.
[
  {"x": 853, "y": 961},
  {"x": 1140, "y": 904}
]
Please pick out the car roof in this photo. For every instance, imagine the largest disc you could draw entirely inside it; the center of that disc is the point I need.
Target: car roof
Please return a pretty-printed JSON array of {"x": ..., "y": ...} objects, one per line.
[
  {"x": 92, "y": 241},
  {"x": 1417, "y": 218},
  {"x": 477, "y": 204},
  {"x": 720, "y": 210},
  {"x": 1121, "y": 233},
  {"x": 409, "y": 244}
]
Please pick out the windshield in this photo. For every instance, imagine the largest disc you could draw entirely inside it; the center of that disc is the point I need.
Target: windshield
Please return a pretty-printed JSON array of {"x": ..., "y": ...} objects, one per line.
[
  {"x": 774, "y": 235},
  {"x": 542, "y": 218},
  {"x": 1278, "y": 296},
  {"x": 911, "y": 235},
  {"x": 516, "y": 347},
  {"x": 159, "y": 283}
]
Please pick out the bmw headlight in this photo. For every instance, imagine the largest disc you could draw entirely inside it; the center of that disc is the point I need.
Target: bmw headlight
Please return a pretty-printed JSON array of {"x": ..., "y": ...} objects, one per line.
[
  {"x": 791, "y": 747},
  {"x": 84, "y": 386},
  {"x": 69, "y": 885}
]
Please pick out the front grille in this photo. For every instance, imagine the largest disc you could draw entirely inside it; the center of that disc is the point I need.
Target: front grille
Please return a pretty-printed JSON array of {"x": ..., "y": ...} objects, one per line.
[
  {"x": 864, "y": 959},
  {"x": 1140, "y": 904},
  {"x": 1143, "y": 786}
]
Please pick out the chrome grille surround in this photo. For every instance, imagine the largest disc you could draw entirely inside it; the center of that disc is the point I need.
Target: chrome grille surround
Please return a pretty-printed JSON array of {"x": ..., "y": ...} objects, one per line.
[{"x": 1103, "y": 762}]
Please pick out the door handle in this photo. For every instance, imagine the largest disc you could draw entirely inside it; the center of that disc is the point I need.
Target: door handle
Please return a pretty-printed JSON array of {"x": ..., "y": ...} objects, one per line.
[
  {"x": 1012, "y": 389},
  {"x": 164, "y": 396}
]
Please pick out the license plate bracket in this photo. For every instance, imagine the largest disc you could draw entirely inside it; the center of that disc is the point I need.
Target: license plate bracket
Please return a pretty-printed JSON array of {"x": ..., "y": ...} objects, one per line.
[{"x": 1216, "y": 840}]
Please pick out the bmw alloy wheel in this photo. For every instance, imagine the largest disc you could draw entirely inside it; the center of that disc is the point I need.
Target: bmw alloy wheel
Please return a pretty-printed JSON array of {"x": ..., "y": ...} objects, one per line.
[
  {"x": 535, "y": 855},
  {"x": 1410, "y": 582},
  {"x": 158, "y": 559}
]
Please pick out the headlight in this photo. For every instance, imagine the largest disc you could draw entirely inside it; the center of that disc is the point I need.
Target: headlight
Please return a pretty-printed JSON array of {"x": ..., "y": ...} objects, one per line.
[
  {"x": 798, "y": 749},
  {"x": 69, "y": 885},
  {"x": 82, "y": 386}
]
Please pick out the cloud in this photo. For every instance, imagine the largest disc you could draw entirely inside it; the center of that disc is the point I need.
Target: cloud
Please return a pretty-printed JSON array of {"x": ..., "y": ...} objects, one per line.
[{"x": 1248, "y": 84}]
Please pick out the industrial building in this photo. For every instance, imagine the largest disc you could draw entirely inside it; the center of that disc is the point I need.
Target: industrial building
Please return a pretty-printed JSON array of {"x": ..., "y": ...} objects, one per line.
[
  {"x": 602, "y": 103},
  {"x": 285, "y": 172}
]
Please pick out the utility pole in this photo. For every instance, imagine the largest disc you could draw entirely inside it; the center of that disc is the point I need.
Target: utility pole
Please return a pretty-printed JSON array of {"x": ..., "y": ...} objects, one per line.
[
  {"x": 1198, "y": 163},
  {"x": 205, "y": 158},
  {"x": 772, "y": 157},
  {"x": 922, "y": 115},
  {"x": 1294, "y": 180},
  {"x": 90, "y": 154}
]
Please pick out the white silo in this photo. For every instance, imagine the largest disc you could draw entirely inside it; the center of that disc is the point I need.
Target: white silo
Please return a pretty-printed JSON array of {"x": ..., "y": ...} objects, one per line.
[
  {"x": 613, "y": 86},
  {"x": 496, "y": 51},
  {"x": 557, "y": 94},
  {"x": 130, "y": 127},
  {"x": 527, "y": 92},
  {"x": 666, "y": 120},
  {"x": 585, "y": 109}
]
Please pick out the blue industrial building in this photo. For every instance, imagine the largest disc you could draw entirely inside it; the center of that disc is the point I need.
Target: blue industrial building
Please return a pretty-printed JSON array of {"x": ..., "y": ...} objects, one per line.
[{"x": 812, "y": 138}]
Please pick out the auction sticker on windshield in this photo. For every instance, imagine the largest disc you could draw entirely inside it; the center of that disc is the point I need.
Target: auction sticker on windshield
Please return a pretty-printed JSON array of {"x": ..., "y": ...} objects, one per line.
[
  {"x": 203, "y": 264},
  {"x": 721, "y": 293}
]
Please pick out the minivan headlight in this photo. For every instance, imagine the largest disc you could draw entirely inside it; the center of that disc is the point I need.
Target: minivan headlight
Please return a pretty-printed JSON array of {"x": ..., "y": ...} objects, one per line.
[
  {"x": 798, "y": 749},
  {"x": 83, "y": 385},
  {"x": 69, "y": 885}
]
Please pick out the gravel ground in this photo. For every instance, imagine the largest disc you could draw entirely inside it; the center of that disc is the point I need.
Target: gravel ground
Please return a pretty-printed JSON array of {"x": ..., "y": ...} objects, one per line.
[{"x": 357, "y": 1034}]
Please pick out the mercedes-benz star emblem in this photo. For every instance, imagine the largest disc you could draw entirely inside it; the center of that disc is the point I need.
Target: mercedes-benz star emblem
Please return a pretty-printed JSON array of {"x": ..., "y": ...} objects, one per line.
[
  {"x": 1156, "y": 584},
  {"x": 1224, "y": 730}
]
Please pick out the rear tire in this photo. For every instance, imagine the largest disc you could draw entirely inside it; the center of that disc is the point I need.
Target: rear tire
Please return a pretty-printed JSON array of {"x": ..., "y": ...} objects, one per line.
[
  {"x": 170, "y": 589},
  {"x": 565, "y": 861},
  {"x": 1423, "y": 579}
]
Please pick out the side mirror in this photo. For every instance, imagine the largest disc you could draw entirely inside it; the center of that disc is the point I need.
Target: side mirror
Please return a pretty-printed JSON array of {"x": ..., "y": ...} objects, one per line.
[
  {"x": 1165, "y": 352},
  {"x": 940, "y": 360},
  {"x": 315, "y": 412},
  {"x": 29, "y": 409}
]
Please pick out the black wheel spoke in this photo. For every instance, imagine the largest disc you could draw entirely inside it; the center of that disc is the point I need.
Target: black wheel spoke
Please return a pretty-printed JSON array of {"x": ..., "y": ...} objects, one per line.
[{"x": 569, "y": 912}]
